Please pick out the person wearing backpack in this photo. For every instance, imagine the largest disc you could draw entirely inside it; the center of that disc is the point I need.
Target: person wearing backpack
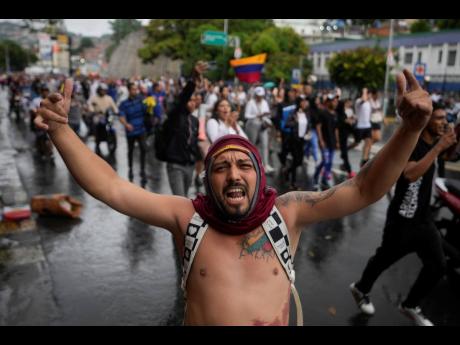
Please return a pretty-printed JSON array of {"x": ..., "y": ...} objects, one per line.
[{"x": 177, "y": 144}]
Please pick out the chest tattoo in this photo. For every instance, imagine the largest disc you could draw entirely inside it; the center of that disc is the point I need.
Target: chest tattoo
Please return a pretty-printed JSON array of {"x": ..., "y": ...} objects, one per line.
[{"x": 257, "y": 245}]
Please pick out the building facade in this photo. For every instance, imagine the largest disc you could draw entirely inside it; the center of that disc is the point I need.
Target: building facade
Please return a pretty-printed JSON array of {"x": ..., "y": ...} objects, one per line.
[{"x": 439, "y": 51}]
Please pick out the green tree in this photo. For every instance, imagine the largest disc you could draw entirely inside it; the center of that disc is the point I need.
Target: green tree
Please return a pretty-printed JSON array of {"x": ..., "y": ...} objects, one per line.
[
  {"x": 86, "y": 42},
  {"x": 446, "y": 24},
  {"x": 123, "y": 27},
  {"x": 180, "y": 39},
  {"x": 19, "y": 58},
  {"x": 421, "y": 25},
  {"x": 362, "y": 67},
  {"x": 285, "y": 48}
]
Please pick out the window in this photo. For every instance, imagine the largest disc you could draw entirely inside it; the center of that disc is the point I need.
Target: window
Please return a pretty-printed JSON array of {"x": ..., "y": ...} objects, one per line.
[
  {"x": 419, "y": 57},
  {"x": 408, "y": 58},
  {"x": 440, "y": 57},
  {"x": 319, "y": 61},
  {"x": 451, "y": 57}
]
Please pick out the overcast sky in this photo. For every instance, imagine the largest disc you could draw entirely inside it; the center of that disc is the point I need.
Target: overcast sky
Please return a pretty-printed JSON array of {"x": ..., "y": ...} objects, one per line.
[
  {"x": 86, "y": 27},
  {"x": 91, "y": 27}
]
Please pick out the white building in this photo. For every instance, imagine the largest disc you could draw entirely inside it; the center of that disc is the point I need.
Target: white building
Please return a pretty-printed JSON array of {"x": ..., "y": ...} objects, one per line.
[
  {"x": 440, "y": 51},
  {"x": 317, "y": 30}
]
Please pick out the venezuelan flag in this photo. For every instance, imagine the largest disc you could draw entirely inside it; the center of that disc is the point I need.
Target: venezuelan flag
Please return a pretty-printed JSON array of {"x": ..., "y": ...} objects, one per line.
[{"x": 249, "y": 69}]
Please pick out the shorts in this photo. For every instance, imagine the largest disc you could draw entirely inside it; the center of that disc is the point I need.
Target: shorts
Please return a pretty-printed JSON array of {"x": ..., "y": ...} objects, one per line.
[
  {"x": 363, "y": 133},
  {"x": 376, "y": 125}
]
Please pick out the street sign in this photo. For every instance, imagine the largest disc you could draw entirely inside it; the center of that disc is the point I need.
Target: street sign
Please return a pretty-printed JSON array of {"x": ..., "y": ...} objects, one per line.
[
  {"x": 420, "y": 71},
  {"x": 238, "y": 53},
  {"x": 214, "y": 38},
  {"x": 295, "y": 76}
]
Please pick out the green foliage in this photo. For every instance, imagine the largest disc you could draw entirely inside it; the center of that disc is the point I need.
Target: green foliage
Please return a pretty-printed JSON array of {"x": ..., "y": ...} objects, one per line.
[
  {"x": 445, "y": 24},
  {"x": 421, "y": 25},
  {"x": 19, "y": 58},
  {"x": 362, "y": 67},
  {"x": 123, "y": 27},
  {"x": 180, "y": 39}
]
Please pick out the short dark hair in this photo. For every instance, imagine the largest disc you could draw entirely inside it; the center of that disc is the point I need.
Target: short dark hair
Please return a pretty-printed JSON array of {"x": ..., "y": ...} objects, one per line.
[
  {"x": 438, "y": 105},
  {"x": 131, "y": 84}
]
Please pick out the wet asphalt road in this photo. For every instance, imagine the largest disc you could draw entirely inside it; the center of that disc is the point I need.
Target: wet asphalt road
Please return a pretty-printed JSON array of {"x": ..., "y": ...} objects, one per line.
[{"x": 108, "y": 269}]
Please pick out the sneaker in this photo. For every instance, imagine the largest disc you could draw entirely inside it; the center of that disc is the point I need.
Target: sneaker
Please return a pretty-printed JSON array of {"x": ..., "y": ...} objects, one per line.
[
  {"x": 362, "y": 300},
  {"x": 416, "y": 315}
]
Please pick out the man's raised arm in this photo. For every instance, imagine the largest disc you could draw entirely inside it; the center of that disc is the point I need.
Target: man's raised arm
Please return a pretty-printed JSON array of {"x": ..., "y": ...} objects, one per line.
[
  {"x": 95, "y": 176},
  {"x": 378, "y": 175}
]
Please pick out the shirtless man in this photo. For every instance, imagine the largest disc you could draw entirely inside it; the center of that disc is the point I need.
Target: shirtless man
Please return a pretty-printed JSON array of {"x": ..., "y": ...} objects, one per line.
[{"x": 236, "y": 277}]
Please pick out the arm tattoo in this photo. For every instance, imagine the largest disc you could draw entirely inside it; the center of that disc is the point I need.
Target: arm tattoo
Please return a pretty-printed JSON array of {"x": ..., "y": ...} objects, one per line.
[{"x": 312, "y": 198}]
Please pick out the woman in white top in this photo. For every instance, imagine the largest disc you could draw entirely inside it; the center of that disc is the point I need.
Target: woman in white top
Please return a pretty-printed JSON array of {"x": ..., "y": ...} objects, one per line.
[
  {"x": 376, "y": 116},
  {"x": 219, "y": 124}
]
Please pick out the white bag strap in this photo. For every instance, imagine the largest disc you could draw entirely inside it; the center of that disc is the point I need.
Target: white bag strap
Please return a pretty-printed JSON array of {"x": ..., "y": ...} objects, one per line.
[
  {"x": 195, "y": 232},
  {"x": 276, "y": 230}
]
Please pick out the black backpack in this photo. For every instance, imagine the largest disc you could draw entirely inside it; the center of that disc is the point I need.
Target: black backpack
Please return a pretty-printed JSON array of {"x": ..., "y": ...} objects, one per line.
[{"x": 163, "y": 136}]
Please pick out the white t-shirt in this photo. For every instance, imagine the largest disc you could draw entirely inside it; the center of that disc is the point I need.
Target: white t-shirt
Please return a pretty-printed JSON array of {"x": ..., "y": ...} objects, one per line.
[
  {"x": 253, "y": 109},
  {"x": 35, "y": 104},
  {"x": 303, "y": 122},
  {"x": 216, "y": 129},
  {"x": 376, "y": 111},
  {"x": 363, "y": 113}
]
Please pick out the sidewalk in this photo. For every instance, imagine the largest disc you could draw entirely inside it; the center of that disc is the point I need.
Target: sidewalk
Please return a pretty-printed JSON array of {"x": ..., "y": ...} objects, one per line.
[{"x": 12, "y": 192}]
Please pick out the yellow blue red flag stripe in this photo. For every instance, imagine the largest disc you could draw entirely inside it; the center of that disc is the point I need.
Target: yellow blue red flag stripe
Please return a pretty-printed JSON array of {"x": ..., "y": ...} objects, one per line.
[{"x": 249, "y": 69}]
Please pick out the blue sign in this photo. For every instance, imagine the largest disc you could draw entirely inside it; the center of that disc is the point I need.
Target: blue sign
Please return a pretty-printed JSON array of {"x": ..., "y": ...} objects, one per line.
[
  {"x": 420, "y": 71},
  {"x": 296, "y": 76}
]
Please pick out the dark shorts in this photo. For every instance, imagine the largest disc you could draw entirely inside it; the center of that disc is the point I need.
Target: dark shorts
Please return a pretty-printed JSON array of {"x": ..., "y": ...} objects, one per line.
[
  {"x": 363, "y": 133},
  {"x": 376, "y": 125}
]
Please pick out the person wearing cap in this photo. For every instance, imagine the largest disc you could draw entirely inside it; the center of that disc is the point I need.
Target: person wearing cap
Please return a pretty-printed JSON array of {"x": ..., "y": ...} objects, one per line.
[
  {"x": 231, "y": 238},
  {"x": 257, "y": 114}
]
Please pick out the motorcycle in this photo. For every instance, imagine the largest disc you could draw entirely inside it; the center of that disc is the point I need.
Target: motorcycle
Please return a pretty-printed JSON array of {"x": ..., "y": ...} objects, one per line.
[
  {"x": 104, "y": 131},
  {"x": 447, "y": 198}
]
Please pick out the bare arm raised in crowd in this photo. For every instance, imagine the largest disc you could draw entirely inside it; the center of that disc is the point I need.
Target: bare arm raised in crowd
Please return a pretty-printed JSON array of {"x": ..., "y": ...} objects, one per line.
[
  {"x": 378, "y": 175},
  {"x": 95, "y": 176}
]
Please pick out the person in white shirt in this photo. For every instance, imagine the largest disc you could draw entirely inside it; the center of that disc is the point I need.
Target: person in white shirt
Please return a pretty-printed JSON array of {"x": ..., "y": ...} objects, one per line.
[
  {"x": 364, "y": 129},
  {"x": 376, "y": 116},
  {"x": 219, "y": 125},
  {"x": 257, "y": 114}
]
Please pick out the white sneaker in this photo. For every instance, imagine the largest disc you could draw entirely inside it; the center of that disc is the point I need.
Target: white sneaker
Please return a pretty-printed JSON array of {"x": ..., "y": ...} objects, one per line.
[
  {"x": 416, "y": 315},
  {"x": 362, "y": 300},
  {"x": 268, "y": 169}
]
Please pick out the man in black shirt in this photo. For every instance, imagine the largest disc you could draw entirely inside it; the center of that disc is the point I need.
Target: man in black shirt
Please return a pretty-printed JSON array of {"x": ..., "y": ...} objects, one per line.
[
  {"x": 409, "y": 226},
  {"x": 326, "y": 127}
]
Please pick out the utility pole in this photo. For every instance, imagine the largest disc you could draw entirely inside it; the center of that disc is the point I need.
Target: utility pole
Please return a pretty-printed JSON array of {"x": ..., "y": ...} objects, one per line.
[
  {"x": 387, "y": 71},
  {"x": 223, "y": 48},
  {"x": 7, "y": 58}
]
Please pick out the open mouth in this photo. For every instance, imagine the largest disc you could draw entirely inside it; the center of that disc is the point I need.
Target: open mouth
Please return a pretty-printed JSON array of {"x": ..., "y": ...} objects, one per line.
[{"x": 235, "y": 194}]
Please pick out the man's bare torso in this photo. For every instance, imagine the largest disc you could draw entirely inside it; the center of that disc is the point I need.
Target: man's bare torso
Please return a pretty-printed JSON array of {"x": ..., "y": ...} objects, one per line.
[{"x": 236, "y": 280}]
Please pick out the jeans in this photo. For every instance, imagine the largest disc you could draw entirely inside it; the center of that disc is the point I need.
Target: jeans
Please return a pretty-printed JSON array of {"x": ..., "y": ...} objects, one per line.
[
  {"x": 399, "y": 239},
  {"x": 180, "y": 178},
  {"x": 311, "y": 146},
  {"x": 327, "y": 157}
]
